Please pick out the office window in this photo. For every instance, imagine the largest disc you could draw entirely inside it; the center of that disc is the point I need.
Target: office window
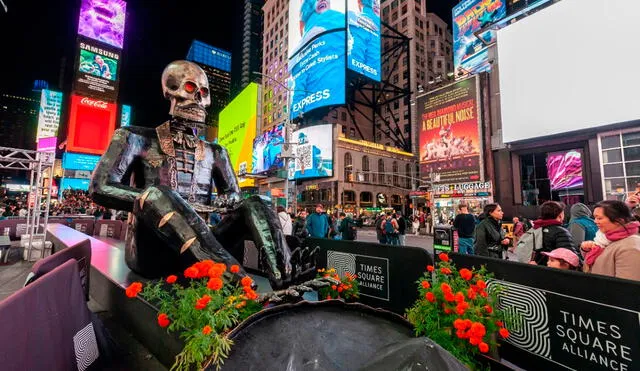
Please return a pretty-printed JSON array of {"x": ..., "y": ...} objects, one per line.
[{"x": 620, "y": 163}]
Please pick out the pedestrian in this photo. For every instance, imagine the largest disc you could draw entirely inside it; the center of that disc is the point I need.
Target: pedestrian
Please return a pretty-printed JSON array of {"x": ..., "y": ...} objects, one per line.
[
  {"x": 518, "y": 230},
  {"x": 489, "y": 236},
  {"x": 402, "y": 228},
  {"x": 391, "y": 230},
  {"x": 299, "y": 230},
  {"x": 581, "y": 225},
  {"x": 285, "y": 221},
  {"x": 561, "y": 258},
  {"x": 379, "y": 224},
  {"x": 416, "y": 225},
  {"x": 619, "y": 256},
  {"x": 347, "y": 227},
  {"x": 554, "y": 235},
  {"x": 317, "y": 223},
  {"x": 465, "y": 224}
]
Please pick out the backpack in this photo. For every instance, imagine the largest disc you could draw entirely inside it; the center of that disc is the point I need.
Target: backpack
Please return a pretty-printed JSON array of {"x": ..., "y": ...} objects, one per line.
[
  {"x": 388, "y": 227},
  {"x": 530, "y": 242}
]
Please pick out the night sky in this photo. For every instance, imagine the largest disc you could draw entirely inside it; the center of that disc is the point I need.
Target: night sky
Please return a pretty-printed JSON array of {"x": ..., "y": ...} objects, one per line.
[{"x": 36, "y": 34}]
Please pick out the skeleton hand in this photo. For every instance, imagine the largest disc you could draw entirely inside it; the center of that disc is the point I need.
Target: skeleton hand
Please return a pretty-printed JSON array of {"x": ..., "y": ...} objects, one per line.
[{"x": 294, "y": 292}]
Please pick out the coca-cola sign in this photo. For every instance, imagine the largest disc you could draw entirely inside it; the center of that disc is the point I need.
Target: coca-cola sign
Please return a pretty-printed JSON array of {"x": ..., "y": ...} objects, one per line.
[{"x": 94, "y": 103}]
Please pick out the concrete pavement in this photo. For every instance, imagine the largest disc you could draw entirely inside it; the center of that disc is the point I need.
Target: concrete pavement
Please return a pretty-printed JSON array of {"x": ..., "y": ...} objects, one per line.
[{"x": 425, "y": 242}]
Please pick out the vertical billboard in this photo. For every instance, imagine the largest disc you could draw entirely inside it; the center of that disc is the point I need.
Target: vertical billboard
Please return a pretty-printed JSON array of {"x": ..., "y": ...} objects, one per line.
[
  {"x": 363, "y": 38},
  {"x": 470, "y": 53},
  {"x": 49, "y": 114},
  {"x": 97, "y": 70},
  {"x": 125, "y": 115},
  {"x": 317, "y": 54},
  {"x": 103, "y": 20},
  {"x": 314, "y": 152},
  {"x": 237, "y": 130},
  {"x": 450, "y": 133},
  {"x": 91, "y": 125},
  {"x": 266, "y": 150}
]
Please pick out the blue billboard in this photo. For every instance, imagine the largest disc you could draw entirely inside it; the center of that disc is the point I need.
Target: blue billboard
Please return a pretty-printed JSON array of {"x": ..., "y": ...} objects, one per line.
[
  {"x": 125, "y": 116},
  {"x": 77, "y": 161},
  {"x": 74, "y": 183},
  {"x": 266, "y": 150},
  {"x": 363, "y": 40},
  {"x": 469, "y": 16},
  {"x": 208, "y": 55}
]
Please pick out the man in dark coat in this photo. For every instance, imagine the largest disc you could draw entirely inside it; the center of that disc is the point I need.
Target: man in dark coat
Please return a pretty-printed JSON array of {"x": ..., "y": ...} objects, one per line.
[{"x": 554, "y": 235}]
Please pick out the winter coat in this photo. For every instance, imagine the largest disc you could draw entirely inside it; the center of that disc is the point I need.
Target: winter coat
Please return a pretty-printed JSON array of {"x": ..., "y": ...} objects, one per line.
[
  {"x": 299, "y": 229},
  {"x": 581, "y": 225},
  {"x": 620, "y": 259},
  {"x": 554, "y": 237},
  {"x": 285, "y": 223},
  {"x": 318, "y": 225},
  {"x": 488, "y": 238}
]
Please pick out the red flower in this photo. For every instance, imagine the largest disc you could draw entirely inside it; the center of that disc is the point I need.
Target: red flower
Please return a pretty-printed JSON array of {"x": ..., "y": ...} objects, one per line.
[
  {"x": 334, "y": 287},
  {"x": 462, "y": 334},
  {"x": 216, "y": 270},
  {"x": 133, "y": 290},
  {"x": 448, "y": 296},
  {"x": 462, "y": 307},
  {"x": 215, "y": 284},
  {"x": 483, "y": 347},
  {"x": 445, "y": 270},
  {"x": 340, "y": 289},
  {"x": 484, "y": 294},
  {"x": 460, "y": 310},
  {"x": 425, "y": 284},
  {"x": 430, "y": 268},
  {"x": 481, "y": 284},
  {"x": 504, "y": 332},
  {"x": 202, "y": 302},
  {"x": 191, "y": 272},
  {"x": 430, "y": 297},
  {"x": 251, "y": 295},
  {"x": 478, "y": 330},
  {"x": 207, "y": 330},
  {"x": 466, "y": 274},
  {"x": 163, "y": 320},
  {"x": 447, "y": 311},
  {"x": 246, "y": 281},
  {"x": 488, "y": 309},
  {"x": 328, "y": 297},
  {"x": 444, "y": 257},
  {"x": 458, "y": 324},
  {"x": 499, "y": 324},
  {"x": 445, "y": 287},
  {"x": 471, "y": 294},
  {"x": 467, "y": 323},
  {"x": 474, "y": 340},
  {"x": 234, "y": 268},
  {"x": 172, "y": 279},
  {"x": 459, "y": 297}
]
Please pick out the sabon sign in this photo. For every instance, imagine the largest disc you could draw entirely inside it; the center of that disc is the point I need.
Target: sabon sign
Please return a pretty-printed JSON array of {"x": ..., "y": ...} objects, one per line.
[{"x": 94, "y": 103}]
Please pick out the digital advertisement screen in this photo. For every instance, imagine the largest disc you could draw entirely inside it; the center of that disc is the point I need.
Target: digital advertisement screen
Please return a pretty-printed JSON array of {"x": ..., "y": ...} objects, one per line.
[
  {"x": 103, "y": 20},
  {"x": 314, "y": 151},
  {"x": 565, "y": 170},
  {"x": 237, "y": 130},
  {"x": 125, "y": 115},
  {"x": 310, "y": 18},
  {"x": 47, "y": 144},
  {"x": 469, "y": 16},
  {"x": 78, "y": 161},
  {"x": 73, "y": 183},
  {"x": 318, "y": 74},
  {"x": 363, "y": 38},
  {"x": 49, "y": 114},
  {"x": 266, "y": 150},
  {"x": 208, "y": 55},
  {"x": 91, "y": 125},
  {"x": 450, "y": 127},
  {"x": 97, "y": 73}
]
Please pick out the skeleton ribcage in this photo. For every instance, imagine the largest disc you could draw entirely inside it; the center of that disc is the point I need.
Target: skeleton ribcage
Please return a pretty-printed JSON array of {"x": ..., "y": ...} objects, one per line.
[{"x": 185, "y": 171}]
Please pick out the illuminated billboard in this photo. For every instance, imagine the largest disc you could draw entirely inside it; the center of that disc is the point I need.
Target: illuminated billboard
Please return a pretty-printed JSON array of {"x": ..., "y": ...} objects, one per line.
[
  {"x": 450, "y": 127},
  {"x": 125, "y": 115},
  {"x": 91, "y": 125},
  {"x": 363, "y": 40},
  {"x": 314, "y": 151},
  {"x": 470, "y": 53},
  {"x": 47, "y": 144},
  {"x": 77, "y": 161},
  {"x": 266, "y": 150},
  {"x": 97, "y": 73},
  {"x": 74, "y": 183},
  {"x": 237, "y": 130},
  {"x": 208, "y": 55},
  {"x": 49, "y": 114},
  {"x": 103, "y": 20},
  {"x": 310, "y": 18}
]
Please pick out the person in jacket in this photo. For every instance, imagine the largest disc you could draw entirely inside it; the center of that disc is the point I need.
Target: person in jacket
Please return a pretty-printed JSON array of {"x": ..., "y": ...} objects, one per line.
[
  {"x": 379, "y": 224},
  {"x": 318, "y": 223},
  {"x": 347, "y": 227},
  {"x": 402, "y": 228},
  {"x": 299, "y": 226},
  {"x": 581, "y": 225},
  {"x": 465, "y": 224},
  {"x": 518, "y": 230},
  {"x": 489, "y": 236},
  {"x": 554, "y": 235},
  {"x": 620, "y": 255},
  {"x": 285, "y": 221}
]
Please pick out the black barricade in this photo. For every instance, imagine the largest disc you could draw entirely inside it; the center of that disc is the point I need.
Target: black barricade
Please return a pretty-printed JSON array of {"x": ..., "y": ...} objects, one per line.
[
  {"x": 387, "y": 274},
  {"x": 570, "y": 319}
]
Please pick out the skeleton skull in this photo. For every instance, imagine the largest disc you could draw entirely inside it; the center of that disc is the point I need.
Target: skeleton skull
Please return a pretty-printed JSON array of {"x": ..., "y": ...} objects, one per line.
[{"x": 186, "y": 86}]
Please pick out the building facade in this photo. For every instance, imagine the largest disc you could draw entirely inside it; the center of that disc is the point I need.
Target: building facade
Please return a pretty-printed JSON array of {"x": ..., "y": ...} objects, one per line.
[
  {"x": 247, "y": 44},
  {"x": 18, "y": 120}
]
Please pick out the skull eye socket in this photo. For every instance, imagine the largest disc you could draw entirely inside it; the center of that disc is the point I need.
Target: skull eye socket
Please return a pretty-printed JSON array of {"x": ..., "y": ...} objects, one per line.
[
  {"x": 172, "y": 84},
  {"x": 190, "y": 87},
  {"x": 204, "y": 92}
]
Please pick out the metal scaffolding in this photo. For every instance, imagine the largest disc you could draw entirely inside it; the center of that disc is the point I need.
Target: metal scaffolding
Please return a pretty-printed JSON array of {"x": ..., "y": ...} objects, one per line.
[{"x": 37, "y": 164}]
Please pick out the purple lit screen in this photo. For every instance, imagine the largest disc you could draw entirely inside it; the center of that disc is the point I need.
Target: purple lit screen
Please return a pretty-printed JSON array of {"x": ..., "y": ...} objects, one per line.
[
  {"x": 103, "y": 20},
  {"x": 565, "y": 170}
]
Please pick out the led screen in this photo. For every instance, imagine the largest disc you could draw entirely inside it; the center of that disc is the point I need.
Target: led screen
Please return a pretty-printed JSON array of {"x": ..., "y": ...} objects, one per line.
[
  {"x": 98, "y": 65},
  {"x": 73, "y": 183},
  {"x": 314, "y": 152},
  {"x": 266, "y": 150},
  {"x": 103, "y": 20},
  {"x": 97, "y": 70},
  {"x": 47, "y": 144},
  {"x": 565, "y": 170},
  {"x": 310, "y": 18},
  {"x": 363, "y": 38},
  {"x": 208, "y": 55},
  {"x": 470, "y": 52},
  {"x": 547, "y": 67},
  {"x": 91, "y": 125},
  {"x": 49, "y": 114},
  {"x": 77, "y": 161},
  {"x": 237, "y": 130},
  {"x": 125, "y": 115}
]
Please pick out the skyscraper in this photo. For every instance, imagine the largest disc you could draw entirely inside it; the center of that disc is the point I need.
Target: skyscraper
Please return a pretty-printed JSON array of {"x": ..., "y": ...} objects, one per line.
[
  {"x": 247, "y": 44},
  {"x": 18, "y": 121}
]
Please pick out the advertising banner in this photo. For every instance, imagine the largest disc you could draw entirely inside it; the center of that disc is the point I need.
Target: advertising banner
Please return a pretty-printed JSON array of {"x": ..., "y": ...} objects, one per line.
[
  {"x": 314, "y": 152},
  {"x": 208, "y": 55},
  {"x": 77, "y": 161},
  {"x": 470, "y": 52},
  {"x": 125, "y": 116},
  {"x": 72, "y": 183},
  {"x": 97, "y": 73},
  {"x": 47, "y": 144},
  {"x": 49, "y": 115},
  {"x": 310, "y": 18},
  {"x": 91, "y": 125},
  {"x": 363, "y": 40},
  {"x": 266, "y": 150},
  {"x": 450, "y": 133},
  {"x": 237, "y": 130},
  {"x": 103, "y": 20}
]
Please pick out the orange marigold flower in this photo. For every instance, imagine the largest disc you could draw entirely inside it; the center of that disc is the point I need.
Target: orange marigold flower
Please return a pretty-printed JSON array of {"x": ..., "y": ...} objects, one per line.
[
  {"x": 478, "y": 329},
  {"x": 483, "y": 347},
  {"x": 430, "y": 297},
  {"x": 133, "y": 290},
  {"x": 474, "y": 340},
  {"x": 460, "y": 311},
  {"x": 444, "y": 257},
  {"x": 251, "y": 295},
  {"x": 488, "y": 308},
  {"x": 234, "y": 268},
  {"x": 334, "y": 287},
  {"x": 448, "y": 296},
  {"x": 191, "y": 272},
  {"x": 504, "y": 332},
  {"x": 202, "y": 302},
  {"x": 172, "y": 278},
  {"x": 207, "y": 330},
  {"x": 447, "y": 310},
  {"x": 425, "y": 284},
  {"x": 471, "y": 294},
  {"x": 328, "y": 297},
  {"x": 459, "y": 297},
  {"x": 466, "y": 274},
  {"x": 163, "y": 320},
  {"x": 430, "y": 268},
  {"x": 458, "y": 324},
  {"x": 481, "y": 284},
  {"x": 467, "y": 323},
  {"x": 445, "y": 287},
  {"x": 340, "y": 289},
  {"x": 241, "y": 304},
  {"x": 203, "y": 267},
  {"x": 216, "y": 270},
  {"x": 445, "y": 270},
  {"x": 484, "y": 294},
  {"x": 246, "y": 281},
  {"x": 499, "y": 324},
  {"x": 215, "y": 284}
]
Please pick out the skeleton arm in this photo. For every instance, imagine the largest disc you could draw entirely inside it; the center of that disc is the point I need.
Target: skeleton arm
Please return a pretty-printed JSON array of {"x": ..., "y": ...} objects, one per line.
[
  {"x": 107, "y": 183},
  {"x": 224, "y": 176}
]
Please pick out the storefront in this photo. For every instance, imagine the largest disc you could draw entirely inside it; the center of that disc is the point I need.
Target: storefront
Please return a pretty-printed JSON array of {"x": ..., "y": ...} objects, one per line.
[
  {"x": 308, "y": 196},
  {"x": 447, "y": 198}
]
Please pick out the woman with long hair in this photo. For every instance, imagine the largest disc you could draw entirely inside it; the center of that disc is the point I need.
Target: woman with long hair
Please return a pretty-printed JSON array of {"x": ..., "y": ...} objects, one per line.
[
  {"x": 617, "y": 255},
  {"x": 489, "y": 236}
]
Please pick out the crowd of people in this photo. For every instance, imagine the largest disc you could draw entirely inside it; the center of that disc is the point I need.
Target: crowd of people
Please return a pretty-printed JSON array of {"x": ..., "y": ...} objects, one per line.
[
  {"x": 72, "y": 203},
  {"x": 319, "y": 224}
]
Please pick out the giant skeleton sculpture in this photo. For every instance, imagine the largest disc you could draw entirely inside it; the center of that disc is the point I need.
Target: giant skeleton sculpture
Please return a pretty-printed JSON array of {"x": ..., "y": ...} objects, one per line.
[{"x": 165, "y": 178}]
